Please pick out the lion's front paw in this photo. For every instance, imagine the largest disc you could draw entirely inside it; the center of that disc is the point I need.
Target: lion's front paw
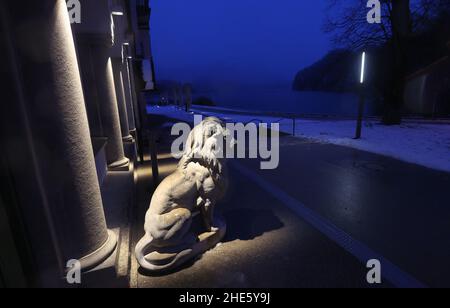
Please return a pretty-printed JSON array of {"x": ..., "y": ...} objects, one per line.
[
  {"x": 200, "y": 202},
  {"x": 208, "y": 204}
]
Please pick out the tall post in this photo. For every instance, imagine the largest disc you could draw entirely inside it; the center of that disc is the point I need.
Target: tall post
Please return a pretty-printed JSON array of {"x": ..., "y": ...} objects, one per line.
[
  {"x": 360, "y": 114},
  {"x": 137, "y": 109},
  {"x": 131, "y": 75},
  {"x": 361, "y": 98}
]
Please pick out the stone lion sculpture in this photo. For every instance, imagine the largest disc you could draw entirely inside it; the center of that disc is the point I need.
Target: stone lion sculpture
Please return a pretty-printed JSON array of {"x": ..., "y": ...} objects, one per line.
[{"x": 181, "y": 222}]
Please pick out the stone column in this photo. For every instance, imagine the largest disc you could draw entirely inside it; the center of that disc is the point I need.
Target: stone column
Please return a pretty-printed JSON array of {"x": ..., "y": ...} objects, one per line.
[
  {"x": 95, "y": 40},
  {"x": 128, "y": 96},
  {"x": 107, "y": 101},
  {"x": 121, "y": 100},
  {"x": 51, "y": 101},
  {"x": 130, "y": 64}
]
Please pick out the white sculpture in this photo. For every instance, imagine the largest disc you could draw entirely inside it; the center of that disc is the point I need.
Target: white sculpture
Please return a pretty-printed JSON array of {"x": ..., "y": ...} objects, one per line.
[{"x": 181, "y": 222}]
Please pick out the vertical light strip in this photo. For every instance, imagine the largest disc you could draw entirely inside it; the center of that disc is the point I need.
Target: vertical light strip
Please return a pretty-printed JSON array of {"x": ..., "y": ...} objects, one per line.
[{"x": 363, "y": 64}]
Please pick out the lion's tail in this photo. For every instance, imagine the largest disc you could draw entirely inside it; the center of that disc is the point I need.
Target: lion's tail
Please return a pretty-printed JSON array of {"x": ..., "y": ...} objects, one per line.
[{"x": 140, "y": 249}]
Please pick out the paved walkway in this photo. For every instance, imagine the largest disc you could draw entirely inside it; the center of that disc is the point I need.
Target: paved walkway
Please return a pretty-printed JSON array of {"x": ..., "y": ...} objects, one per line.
[{"x": 313, "y": 221}]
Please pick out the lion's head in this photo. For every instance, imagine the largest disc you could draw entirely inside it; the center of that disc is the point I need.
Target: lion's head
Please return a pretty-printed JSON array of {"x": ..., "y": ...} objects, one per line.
[{"x": 208, "y": 144}]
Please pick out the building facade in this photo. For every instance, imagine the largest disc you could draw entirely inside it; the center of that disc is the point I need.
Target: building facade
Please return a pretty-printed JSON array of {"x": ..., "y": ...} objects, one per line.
[
  {"x": 427, "y": 91},
  {"x": 71, "y": 116}
]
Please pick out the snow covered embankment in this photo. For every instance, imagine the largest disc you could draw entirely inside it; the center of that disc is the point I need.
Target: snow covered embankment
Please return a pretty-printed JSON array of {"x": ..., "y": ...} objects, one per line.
[{"x": 423, "y": 144}]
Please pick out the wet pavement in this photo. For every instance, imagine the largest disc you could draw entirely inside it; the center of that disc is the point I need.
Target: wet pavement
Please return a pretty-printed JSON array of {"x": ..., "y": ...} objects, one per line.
[{"x": 400, "y": 210}]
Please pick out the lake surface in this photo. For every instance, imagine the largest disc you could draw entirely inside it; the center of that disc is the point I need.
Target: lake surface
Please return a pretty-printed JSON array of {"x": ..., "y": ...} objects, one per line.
[{"x": 288, "y": 101}]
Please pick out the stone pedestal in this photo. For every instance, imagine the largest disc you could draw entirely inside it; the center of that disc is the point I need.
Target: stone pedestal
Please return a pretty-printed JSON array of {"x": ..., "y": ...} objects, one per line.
[{"x": 165, "y": 259}]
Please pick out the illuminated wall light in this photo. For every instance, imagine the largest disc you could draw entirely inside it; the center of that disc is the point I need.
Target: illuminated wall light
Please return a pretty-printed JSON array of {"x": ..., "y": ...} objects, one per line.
[
  {"x": 363, "y": 67},
  {"x": 117, "y": 13}
]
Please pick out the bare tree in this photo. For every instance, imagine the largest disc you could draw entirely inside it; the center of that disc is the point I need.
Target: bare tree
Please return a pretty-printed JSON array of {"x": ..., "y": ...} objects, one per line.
[{"x": 348, "y": 24}]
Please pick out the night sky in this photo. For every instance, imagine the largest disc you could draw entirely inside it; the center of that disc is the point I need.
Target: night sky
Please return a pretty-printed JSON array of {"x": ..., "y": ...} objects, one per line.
[{"x": 236, "y": 42}]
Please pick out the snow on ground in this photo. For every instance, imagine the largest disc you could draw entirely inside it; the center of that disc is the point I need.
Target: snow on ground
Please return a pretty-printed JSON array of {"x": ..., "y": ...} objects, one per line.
[{"x": 420, "y": 143}]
